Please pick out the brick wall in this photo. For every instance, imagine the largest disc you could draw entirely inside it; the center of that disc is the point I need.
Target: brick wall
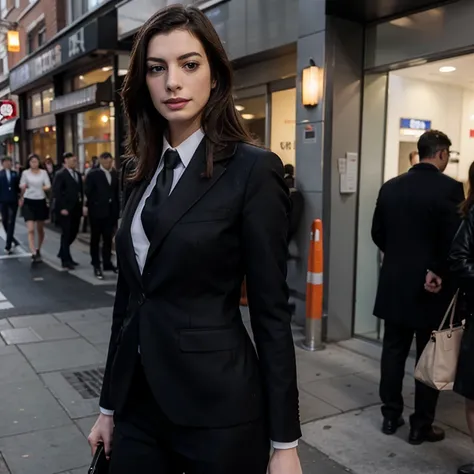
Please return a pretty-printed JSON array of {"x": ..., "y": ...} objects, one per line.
[{"x": 31, "y": 17}]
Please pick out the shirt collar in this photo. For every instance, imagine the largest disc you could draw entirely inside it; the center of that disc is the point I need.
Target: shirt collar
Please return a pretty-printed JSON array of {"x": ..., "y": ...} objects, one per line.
[
  {"x": 103, "y": 169},
  {"x": 187, "y": 149}
]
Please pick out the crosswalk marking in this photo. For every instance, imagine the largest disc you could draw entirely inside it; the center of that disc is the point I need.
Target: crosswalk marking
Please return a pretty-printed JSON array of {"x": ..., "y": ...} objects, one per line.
[
  {"x": 18, "y": 252},
  {"x": 4, "y": 303}
]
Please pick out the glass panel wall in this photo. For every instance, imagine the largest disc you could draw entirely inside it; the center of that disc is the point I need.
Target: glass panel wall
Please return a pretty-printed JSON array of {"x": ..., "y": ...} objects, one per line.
[{"x": 283, "y": 125}]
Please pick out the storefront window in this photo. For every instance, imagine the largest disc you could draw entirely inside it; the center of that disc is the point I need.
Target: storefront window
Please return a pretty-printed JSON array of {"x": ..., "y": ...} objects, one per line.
[
  {"x": 43, "y": 142},
  {"x": 92, "y": 77},
  {"x": 48, "y": 96},
  {"x": 253, "y": 111},
  {"x": 283, "y": 122},
  {"x": 36, "y": 105},
  {"x": 94, "y": 134}
]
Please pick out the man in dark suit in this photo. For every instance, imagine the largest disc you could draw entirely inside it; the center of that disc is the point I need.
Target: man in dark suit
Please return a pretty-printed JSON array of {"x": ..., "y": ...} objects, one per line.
[
  {"x": 102, "y": 192},
  {"x": 416, "y": 217},
  {"x": 9, "y": 195},
  {"x": 68, "y": 195}
]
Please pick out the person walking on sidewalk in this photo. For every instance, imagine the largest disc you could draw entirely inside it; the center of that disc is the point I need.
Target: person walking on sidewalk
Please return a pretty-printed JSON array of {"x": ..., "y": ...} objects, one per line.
[
  {"x": 416, "y": 217},
  {"x": 34, "y": 184},
  {"x": 207, "y": 206},
  {"x": 102, "y": 193},
  {"x": 9, "y": 200},
  {"x": 68, "y": 197}
]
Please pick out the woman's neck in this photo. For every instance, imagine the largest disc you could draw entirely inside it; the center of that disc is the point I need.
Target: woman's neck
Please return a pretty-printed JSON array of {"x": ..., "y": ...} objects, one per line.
[{"x": 179, "y": 132}]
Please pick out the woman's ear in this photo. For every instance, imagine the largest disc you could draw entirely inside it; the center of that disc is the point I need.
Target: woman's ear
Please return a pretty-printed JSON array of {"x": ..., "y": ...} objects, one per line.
[{"x": 213, "y": 84}]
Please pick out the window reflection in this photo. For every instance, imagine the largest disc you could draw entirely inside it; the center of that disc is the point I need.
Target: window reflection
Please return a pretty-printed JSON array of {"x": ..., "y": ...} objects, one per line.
[{"x": 252, "y": 111}]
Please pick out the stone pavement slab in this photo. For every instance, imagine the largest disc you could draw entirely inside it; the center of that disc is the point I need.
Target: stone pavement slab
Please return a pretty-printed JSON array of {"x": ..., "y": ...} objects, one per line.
[
  {"x": 315, "y": 462},
  {"x": 312, "y": 408},
  {"x": 15, "y": 368},
  {"x": 87, "y": 315},
  {"x": 32, "y": 321},
  {"x": 95, "y": 332},
  {"x": 46, "y": 452},
  {"x": 28, "y": 406},
  {"x": 68, "y": 397},
  {"x": 5, "y": 324},
  {"x": 60, "y": 355},
  {"x": 19, "y": 336},
  {"x": 85, "y": 424},
  {"x": 354, "y": 440}
]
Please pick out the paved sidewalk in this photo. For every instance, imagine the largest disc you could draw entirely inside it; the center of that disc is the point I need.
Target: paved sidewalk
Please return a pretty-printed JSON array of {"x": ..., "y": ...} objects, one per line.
[{"x": 50, "y": 374}]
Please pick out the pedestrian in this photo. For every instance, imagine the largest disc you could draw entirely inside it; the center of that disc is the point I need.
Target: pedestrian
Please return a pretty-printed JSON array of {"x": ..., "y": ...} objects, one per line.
[
  {"x": 103, "y": 204},
  {"x": 461, "y": 260},
  {"x": 290, "y": 175},
  {"x": 34, "y": 185},
  {"x": 68, "y": 201},
  {"x": 207, "y": 206},
  {"x": 415, "y": 220},
  {"x": 9, "y": 199}
]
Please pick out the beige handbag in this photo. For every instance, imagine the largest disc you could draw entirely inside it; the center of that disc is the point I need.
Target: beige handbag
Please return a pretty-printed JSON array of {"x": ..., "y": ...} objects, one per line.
[{"x": 438, "y": 362}]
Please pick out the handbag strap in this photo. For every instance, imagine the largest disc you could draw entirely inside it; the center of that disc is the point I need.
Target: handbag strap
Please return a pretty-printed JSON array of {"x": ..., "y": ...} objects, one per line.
[{"x": 451, "y": 309}]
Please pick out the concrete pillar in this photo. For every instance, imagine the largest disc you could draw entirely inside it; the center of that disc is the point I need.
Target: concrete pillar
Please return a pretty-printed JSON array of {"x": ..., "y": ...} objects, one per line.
[{"x": 337, "y": 46}]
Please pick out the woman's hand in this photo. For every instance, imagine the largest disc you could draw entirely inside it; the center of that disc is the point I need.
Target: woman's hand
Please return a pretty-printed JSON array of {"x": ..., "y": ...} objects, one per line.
[
  {"x": 102, "y": 433},
  {"x": 21, "y": 202},
  {"x": 285, "y": 461}
]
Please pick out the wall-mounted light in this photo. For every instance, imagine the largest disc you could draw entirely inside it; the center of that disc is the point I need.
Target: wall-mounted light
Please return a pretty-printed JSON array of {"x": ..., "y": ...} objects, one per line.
[
  {"x": 13, "y": 41},
  {"x": 104, "y": 118},
  {"x": 16, "y": 138},
  {"x": 46, "y": 129},
  {"x": 311, "y": 85}
]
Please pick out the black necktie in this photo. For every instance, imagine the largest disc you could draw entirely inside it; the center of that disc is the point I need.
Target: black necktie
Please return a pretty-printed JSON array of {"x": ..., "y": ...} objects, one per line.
[{"x": 160, "y": 192}]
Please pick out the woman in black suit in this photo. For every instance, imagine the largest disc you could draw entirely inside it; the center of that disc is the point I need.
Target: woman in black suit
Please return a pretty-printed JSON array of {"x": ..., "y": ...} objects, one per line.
[{"x": 184, "y": 389}]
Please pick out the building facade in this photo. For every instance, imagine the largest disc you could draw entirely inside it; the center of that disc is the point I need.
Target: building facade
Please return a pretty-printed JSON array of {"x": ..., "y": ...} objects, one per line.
[{"x": 343, "y": 148}]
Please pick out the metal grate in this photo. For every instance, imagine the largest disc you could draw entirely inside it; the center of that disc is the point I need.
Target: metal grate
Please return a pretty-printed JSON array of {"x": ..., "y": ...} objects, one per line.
[{"x": 87, "y": 383}]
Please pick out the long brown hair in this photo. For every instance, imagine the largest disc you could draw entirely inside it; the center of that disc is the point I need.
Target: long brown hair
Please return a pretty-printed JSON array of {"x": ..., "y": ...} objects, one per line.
[
  {"x": 220, "y": 120},
  {"x": 469, "y": 201}
]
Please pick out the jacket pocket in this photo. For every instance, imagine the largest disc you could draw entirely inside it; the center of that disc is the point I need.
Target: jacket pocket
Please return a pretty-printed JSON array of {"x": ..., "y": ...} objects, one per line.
[
  {"x": 209, "y": 340},
  {"x": 211, "y": 215}
]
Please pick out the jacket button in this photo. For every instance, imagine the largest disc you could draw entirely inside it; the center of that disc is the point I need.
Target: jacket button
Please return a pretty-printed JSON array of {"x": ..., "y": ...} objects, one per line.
[{"x": 141, "y": 299}]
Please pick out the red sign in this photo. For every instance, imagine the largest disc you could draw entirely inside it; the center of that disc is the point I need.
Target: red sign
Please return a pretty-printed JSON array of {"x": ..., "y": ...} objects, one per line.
[
  {"x": 7, "y": 109},
  {"x": 471, "y": 133}
]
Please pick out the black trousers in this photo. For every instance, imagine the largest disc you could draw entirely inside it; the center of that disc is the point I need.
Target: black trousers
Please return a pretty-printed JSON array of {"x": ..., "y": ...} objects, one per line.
[
  {"x": 396, "y": 347},
  {"x": 69, "y": 230},
  {"x": 101, "y": 229},
  {"x": 146, "y": 442},
  {"x": 9, "y": 211}
]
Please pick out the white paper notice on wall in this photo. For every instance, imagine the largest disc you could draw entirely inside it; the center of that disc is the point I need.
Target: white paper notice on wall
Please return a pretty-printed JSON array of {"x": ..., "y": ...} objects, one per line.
[{"x": 348, "y": 173}]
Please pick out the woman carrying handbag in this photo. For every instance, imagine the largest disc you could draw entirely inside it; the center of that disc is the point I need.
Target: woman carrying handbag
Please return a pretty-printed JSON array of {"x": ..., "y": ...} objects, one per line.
[{"x": 461, "y": 260}]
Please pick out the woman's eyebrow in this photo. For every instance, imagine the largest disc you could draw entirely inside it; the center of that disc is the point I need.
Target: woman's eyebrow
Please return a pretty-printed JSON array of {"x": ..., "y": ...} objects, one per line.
[{"x": 180, "y": 58}]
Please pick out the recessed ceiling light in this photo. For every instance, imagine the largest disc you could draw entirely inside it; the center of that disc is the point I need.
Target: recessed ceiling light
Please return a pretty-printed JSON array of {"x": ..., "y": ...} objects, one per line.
[
  {"x": 248, "y": 116},
  {"x": 240, "y": 108},
  {"x": 447, "y": 69},
  {"x": 107, "y": 68}
]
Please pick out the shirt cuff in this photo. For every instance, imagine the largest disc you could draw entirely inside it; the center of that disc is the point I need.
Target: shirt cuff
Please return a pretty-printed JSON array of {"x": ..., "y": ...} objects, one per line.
[
  {"x": 106, "y": 412},
  {"x": 291, "y": 445}
]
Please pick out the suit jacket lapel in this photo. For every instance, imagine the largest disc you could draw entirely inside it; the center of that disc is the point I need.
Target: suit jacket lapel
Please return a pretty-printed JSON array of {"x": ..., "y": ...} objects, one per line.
[
  {"x": 125, "y": 238},
  {"x": 190, "y": 189}
]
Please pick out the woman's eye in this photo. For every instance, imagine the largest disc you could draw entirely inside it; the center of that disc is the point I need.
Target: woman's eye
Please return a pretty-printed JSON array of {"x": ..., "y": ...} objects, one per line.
[
  {"x": 156, "y": 69},
  {"x": 191, "y": 66}
]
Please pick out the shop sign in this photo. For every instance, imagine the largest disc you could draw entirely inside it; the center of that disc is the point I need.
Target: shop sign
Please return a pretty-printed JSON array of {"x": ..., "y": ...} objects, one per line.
[
  {"x": 75, "y": 100},
  {"x": 71, "y": 46},
  {"x": 415, "y": 124},
  {"x": 7, "y": 110}
]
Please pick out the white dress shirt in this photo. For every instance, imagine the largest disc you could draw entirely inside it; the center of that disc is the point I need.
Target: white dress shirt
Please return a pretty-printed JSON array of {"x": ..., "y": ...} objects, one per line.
[
  {"x": 107, "y": 174},
  {"x": 140, "y": 241},
  {"x": 9, "y": 175}
]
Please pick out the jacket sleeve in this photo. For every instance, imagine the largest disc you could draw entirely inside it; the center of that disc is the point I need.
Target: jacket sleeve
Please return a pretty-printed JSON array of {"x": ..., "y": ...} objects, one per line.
[
  {"x": 378, "y": 230},
  {"x": 450, "y": 219},
  {"x": 89, "y": 187},
  {"x": 57, "y": 191},
  {"x": 461, "y": 256},
  {"x": 265, "y": 247},
  {"x": 122, "y": 295}
]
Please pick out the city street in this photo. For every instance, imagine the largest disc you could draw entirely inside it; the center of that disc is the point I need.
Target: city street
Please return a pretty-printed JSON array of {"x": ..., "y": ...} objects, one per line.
[{"x": 54, "y": 330}]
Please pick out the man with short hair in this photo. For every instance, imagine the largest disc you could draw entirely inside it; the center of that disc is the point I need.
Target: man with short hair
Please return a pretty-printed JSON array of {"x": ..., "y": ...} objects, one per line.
[
  {"x": 103, "y": 203},
  {"x": 415, "y": 220},
  {"x": 69, "y": 196},
  {"x": 9, "y": 197}
]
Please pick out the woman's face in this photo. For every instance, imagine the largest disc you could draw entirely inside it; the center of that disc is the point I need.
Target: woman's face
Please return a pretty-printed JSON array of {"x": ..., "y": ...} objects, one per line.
[
  {"x": 178, "y": 76},
  {"x": 34, "y": 163}
]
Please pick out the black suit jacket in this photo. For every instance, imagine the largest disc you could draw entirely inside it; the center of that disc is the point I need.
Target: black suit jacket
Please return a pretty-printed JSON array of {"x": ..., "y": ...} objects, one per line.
[
  {"x": 415, "y": 220},
  {"x": 9, "y": 192},
  {"x": 67, "y": 192},
  {"x": 184, "y": 313},
  {"x": 102, "y": 197}
]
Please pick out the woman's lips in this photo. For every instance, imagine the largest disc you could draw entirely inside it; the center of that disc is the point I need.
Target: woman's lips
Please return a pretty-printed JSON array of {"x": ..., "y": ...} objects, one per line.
[{"x": 176, "y": 104}]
